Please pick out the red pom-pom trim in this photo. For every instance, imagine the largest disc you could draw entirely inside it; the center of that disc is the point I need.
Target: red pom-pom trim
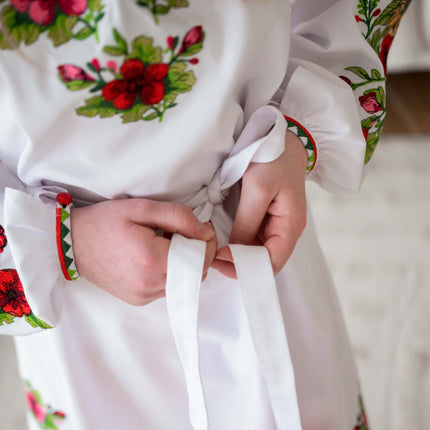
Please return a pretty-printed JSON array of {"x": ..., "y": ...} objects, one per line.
[{"x": 64, "y": 199}]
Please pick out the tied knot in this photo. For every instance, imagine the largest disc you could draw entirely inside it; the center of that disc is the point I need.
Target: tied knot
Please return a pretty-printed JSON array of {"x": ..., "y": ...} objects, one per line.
[{"x": 216, "y": 194}]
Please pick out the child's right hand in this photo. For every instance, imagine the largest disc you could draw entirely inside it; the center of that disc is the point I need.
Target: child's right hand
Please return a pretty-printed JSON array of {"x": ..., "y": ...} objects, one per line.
[{"x": 116, "y": 246}]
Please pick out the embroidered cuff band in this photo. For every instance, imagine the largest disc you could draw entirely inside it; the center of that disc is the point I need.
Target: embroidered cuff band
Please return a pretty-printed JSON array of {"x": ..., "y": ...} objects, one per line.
[
  {"x": 307, "y": 140},
  {"x": 64, "y": 237}
]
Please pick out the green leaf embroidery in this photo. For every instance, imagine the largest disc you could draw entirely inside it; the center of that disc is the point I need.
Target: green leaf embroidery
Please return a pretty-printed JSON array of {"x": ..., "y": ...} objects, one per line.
[
  {"x": 19, "y": 28},
  {"x": 192, "y": 50},
  {"x": 359, "y": 71},
  {"x": 113, "y": 50},
  {"x": 135, "y": 113},
  {"x": 143, "y": 48},
  {"x": 83, "y": 33},
  {"x": 97, "y": 105},
  {"x": 179, "y": 80},
  {"x": 36, "y": 322},
  {"x": 6, "y": 318},
  {"x": 121, "y": 42},
  {"x": 61, "y": 31},
  {"x": 78, "y": 85},
  {"x": 161, "y": 8}
]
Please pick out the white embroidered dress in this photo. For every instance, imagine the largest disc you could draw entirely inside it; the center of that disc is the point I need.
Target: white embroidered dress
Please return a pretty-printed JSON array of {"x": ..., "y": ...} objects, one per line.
[{"x": 109, "y": 365}]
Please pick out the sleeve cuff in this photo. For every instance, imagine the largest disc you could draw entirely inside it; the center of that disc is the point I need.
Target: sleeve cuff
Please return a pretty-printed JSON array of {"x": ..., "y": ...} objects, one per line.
[
  {"x": 322, "y": 110},
  {"x": 308, "y": 141},
  {"x": 30, "y": 227}
]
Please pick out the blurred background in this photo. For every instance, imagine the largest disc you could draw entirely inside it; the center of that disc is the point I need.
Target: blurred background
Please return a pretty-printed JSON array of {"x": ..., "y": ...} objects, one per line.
[{"x": 377, "y": 244}]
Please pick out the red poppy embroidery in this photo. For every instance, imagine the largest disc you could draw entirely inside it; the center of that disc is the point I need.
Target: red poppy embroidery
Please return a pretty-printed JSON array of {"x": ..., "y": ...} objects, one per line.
[
  {"x": 138, "y": 81},
  {"x": 147, "y": 83},
  {"x": 12, "y": 297},
  {"x": 13, "y": 303},
  {"x": 157, "y": 7},
  {"x": 63, "y": 20},
  {"x": 45, "y": 415},
  {"x": 3, "y": 239}
]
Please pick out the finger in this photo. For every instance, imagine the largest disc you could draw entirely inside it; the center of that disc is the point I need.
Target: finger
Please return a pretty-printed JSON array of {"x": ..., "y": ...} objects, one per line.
[
  {"x": 172, "y": 217},
  {"x": 223, "y": 262},
  {"x": 224, "y": 267},
  {"x": 211, "y": 247},
  {"x": 251, "y": 211},
  {"x": 280, "y": 236}
]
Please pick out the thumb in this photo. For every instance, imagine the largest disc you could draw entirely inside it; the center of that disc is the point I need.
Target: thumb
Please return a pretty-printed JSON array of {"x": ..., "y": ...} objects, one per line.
[{"x": 249, "y": 216}]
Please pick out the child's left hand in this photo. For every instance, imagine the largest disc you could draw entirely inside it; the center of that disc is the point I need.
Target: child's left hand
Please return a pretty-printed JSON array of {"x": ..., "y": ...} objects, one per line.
[{"x": 272, "y": 207}]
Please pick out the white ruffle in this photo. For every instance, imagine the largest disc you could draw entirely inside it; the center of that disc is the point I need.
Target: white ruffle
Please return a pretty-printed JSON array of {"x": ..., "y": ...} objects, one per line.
[
  {"x": 30, "y": 227},
  {"x": 326, "y": 107}
]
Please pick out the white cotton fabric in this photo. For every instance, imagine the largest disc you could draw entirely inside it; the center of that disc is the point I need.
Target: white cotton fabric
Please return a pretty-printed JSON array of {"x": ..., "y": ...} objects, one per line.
[{"x": 109, "y": 365}]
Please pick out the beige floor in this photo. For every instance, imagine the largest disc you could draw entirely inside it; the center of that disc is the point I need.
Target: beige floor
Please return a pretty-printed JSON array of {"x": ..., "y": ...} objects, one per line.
[{"x": 378, "y": 246}]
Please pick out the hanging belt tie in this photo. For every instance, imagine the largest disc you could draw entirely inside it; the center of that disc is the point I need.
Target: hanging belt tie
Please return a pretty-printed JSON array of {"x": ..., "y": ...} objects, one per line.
[{"x": 255, "y": 276}]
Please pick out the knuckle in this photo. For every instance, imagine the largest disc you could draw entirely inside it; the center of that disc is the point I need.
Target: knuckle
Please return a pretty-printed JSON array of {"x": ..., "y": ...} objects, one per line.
[{"x": 182, "y": 214}]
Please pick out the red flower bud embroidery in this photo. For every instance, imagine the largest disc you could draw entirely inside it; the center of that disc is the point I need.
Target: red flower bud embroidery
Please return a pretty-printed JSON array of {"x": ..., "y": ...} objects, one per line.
[
  {"x": 347, "y": 80},
  {"x": 96, "y": 64},
  {"x": 193, "y": 37},
  {"x": 376, "y": 12},
  {"x": 369, "y": 103},
  {"x": 12, "y": 297},
  {"x": 70, "y": 73}
]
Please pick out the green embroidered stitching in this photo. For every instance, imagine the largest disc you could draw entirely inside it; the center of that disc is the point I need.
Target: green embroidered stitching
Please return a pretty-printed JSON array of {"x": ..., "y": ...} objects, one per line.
[
  {"x": 163, "y": 8},
  {"x": 307, "y": 141}
]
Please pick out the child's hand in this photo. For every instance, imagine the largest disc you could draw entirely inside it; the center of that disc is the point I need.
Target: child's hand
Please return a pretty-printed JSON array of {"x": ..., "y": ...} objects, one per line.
[
  {"x": 116, "y": 246},
  {"x": 272, "y": 207}
]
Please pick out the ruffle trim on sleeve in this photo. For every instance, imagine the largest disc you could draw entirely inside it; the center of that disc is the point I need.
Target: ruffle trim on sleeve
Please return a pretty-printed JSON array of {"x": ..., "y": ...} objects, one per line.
[
  {"x": 325, "y": 109},
  {"x": 308, "y": 141}
]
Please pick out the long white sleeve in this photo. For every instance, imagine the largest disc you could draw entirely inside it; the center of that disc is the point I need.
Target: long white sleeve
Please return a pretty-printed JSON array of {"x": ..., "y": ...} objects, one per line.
[
  {"x": 335, "y": 82},
  {"x": 31, "y": 280}
]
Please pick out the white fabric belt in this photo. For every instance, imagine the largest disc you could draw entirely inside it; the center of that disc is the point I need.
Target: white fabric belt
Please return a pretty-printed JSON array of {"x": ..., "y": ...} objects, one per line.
[{"x": 255, "y": 276}]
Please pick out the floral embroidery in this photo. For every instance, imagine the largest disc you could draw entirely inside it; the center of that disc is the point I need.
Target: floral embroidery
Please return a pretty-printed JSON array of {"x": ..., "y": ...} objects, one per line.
[
  {"x": 63, "y": 20},
  {"x": 372, "y": 101},
  {"x": 13, "y": 302},
  {"x": 163, "y": 7},
  {"x": 144, "y": 87},
  {"x": 379, "y": 26},
  {"x": 361, "y": 417},
  {"x": 46, "y": 417},
  {"x": 3, "y": 240}
]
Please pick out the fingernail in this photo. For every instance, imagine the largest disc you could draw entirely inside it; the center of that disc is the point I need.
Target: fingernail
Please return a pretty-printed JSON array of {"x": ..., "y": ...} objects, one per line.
[{"x": 207, "y": 230}]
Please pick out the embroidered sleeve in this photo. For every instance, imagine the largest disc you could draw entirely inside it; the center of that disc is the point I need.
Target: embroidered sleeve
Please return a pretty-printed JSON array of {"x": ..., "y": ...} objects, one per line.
[
  {"x": 31, "y": 280},
  {"x": 335, "y": 83}
]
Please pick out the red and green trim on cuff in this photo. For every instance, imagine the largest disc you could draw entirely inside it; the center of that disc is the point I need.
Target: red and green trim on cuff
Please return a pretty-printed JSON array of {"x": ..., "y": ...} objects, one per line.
[
  {"x": 308, "y": 141},
  {"x": 64, "y": 237}
]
